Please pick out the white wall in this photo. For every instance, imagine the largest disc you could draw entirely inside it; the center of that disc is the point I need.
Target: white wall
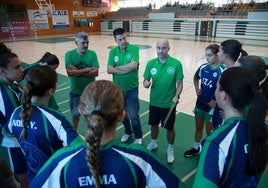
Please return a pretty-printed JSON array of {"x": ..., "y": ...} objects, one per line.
[{"x": 258, "y": 15}]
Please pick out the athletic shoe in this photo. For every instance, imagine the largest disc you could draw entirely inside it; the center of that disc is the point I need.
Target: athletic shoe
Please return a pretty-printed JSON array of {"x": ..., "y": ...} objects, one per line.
[
  {"x": 170, "y": 155},
  {"x": 191, "y": 152},
  {"x": 125, "y": 137},
  {"x": 152, "y": 146},
  {"x": 138, "y": 141}
]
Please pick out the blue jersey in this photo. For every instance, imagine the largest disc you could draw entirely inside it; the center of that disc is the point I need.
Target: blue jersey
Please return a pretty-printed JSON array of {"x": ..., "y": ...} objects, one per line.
[
  {"x": 209, "y": 76},
  {"x": 47, "y": 131},
  {"x": 223, "y": 157},
  {"x": 10, "y": 95},
  {"x": 121, "y": 166},
  {"x": 9, "y": 100},
  {"x": 217, "y": 120}
]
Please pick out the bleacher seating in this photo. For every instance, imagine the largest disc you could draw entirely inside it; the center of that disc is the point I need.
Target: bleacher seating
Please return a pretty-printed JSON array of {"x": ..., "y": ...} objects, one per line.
[
  {"x": 229, "y": 20},
  {"x": 135, "y": 12},
  {"x": 232, "y": 10}
]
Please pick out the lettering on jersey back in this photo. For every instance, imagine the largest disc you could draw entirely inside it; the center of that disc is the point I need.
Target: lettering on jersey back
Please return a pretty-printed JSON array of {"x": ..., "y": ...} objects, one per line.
[
  {"x": 18, "y": 123},
  {"x": 104, "y": 179}
]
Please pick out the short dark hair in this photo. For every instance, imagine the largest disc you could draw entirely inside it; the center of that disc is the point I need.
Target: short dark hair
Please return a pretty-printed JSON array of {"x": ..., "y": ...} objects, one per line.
[
  {"x": 5, "y": 59},
  {"x": 118, "y": 31},
  {"x": 4, "y": 49}
]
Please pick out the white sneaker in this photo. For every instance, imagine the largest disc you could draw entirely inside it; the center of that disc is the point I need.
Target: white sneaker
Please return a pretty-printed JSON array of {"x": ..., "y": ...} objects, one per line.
[
  {"x": 138, "y": 141},
  {"x": 125, "y": 138},
  {"x": 170, "y": 156},
  {"x": 152, "y": 146}
]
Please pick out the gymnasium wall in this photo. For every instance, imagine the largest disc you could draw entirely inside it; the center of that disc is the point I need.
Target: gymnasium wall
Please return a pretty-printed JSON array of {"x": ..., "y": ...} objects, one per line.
[
  {"x": 229, "y": 28},
  {"x": 79, "y": 18}
]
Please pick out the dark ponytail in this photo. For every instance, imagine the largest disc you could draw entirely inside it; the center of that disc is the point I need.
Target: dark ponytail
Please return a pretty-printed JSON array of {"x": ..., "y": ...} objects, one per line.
[{"x": 257, "y": 153}]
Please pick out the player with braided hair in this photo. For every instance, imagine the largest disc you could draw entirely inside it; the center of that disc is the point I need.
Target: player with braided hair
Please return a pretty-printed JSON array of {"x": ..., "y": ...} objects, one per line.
[
  {"x": 111, "y": 163},
  {"x": 39, "y": 129}
]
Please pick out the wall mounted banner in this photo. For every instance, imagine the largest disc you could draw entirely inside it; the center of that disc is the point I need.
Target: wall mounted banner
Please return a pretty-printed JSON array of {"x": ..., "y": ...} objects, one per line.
[
  {"x": 37, "y": 19},
  {"x": 78, "y": 13},
  {"x": 92, "y": 14},
  {"x": 60, "y": 19}
]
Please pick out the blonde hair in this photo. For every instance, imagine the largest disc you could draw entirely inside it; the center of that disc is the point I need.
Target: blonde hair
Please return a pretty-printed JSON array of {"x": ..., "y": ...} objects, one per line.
[{"x": 101, "y": 103}]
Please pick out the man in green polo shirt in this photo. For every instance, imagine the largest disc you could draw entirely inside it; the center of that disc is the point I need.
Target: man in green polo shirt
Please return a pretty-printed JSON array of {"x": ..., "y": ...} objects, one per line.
[
  {"x": 82, "y": 67},
  {"x": 123, "y": 64},
  {"x": 163, "y": 72}
]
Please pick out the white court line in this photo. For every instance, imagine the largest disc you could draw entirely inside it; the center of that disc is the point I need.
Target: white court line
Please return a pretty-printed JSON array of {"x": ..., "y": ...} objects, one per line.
[
  {"x": 62, "y": 102},
  {"x": 66, "y": 111},
  {"x": 185, "y": 178},
  {"x": 65, "y": 88},
  {"x": 120, "y": 127},
  {"x": 64, "y": 83}
]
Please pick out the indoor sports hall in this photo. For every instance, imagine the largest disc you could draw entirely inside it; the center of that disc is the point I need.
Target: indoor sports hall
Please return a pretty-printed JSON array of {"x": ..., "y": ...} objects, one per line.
[
  {"x": 189, "y": 50},
  {"x": 187, "y": 47}
]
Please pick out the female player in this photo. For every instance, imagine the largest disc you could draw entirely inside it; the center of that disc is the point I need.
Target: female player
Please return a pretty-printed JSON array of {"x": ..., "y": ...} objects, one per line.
[
  {"x": 208, "y": 74},
  {"x": 47, "y": 59},
  {"x": 39, "y": 129},
  {"x": 111, "y": 164},
  {"x": 235, "y": 154},
  {"x": 229, "y": 51},
  {"x": 52, "y": 61},
  {"x": 10, "y": 93},
  {"x": 257, "y": 65}
]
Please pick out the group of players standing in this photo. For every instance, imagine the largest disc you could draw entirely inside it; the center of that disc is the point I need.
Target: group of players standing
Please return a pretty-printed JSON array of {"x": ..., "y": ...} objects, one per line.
[{"x": 234, "y": 153}]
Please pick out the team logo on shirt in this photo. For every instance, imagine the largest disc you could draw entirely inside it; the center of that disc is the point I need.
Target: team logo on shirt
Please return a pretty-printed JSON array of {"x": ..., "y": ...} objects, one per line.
[
  {"x": 129, "y": 57},
  {"x": 35, "y": 157},
  {"x": 170, "y": 70},
  {"x": 153, "y": 71},
  {"x": 116, "y": 58},
  {"x": 215, "y": 74}
]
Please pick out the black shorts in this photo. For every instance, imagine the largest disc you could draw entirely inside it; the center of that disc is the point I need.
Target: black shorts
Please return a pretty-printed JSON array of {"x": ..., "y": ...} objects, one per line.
[{"x": 157, "y": 115}]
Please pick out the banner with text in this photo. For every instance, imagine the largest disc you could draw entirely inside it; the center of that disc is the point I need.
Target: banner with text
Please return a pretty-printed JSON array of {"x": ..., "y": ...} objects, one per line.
[{"x": 60, "y": 19}]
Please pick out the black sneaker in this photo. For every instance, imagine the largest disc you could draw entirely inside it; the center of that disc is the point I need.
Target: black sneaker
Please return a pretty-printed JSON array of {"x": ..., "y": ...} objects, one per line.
[{"x": 191, "y": 152}]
